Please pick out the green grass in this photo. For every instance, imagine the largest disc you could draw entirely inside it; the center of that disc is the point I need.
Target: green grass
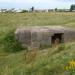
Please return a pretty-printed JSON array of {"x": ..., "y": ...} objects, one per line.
[{"x": 49, "y": 62}]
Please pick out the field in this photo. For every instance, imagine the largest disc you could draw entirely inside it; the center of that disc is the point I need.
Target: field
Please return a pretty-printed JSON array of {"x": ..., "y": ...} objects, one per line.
[{"x": 53, "y": 61}]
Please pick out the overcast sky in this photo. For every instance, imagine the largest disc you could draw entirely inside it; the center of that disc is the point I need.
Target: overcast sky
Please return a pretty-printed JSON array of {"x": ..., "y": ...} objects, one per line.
[{"x": 36, "y": 3}]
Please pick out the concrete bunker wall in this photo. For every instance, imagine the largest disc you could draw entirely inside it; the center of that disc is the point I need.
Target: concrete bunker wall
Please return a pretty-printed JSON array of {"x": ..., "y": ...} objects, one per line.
[
  {"x": 45, "y": 38},
  {"x": 69, "y": 36},
  {"x": 36, "y": 37},
  {"x": 24, "y": 37},
  {"x": 41, "y": 38}
]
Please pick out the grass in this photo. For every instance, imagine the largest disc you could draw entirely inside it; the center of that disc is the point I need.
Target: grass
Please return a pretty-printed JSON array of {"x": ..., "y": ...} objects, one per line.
[{"x": 49, "y": 62}]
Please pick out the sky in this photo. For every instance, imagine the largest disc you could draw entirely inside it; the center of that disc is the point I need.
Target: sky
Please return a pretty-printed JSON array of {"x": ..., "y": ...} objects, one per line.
[{"x": 38, "y": 4}]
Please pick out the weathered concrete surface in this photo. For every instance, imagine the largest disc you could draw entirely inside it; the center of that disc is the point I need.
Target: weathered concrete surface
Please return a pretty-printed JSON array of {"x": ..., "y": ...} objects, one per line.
[{"x": 35, "y": 36}]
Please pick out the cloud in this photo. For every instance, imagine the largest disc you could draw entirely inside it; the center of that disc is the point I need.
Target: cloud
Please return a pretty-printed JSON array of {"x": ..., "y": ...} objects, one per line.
[
  {"x": 17, "y": 1},
  {"x": 34, "y": 1}
]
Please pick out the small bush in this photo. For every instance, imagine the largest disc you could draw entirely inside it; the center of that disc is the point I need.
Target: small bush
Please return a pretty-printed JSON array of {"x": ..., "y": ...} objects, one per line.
[
  {"x": 24, "y": 11},
  {"x": 10, "y": 43}
]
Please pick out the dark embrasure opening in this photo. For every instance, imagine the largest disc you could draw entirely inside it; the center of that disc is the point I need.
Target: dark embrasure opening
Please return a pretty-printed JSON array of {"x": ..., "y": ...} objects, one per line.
[{"x": 57, "y": 38}]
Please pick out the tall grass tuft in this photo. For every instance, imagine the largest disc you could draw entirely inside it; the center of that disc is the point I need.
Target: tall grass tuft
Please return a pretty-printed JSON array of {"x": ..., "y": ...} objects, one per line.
[{"x": 31, "y": 56}]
